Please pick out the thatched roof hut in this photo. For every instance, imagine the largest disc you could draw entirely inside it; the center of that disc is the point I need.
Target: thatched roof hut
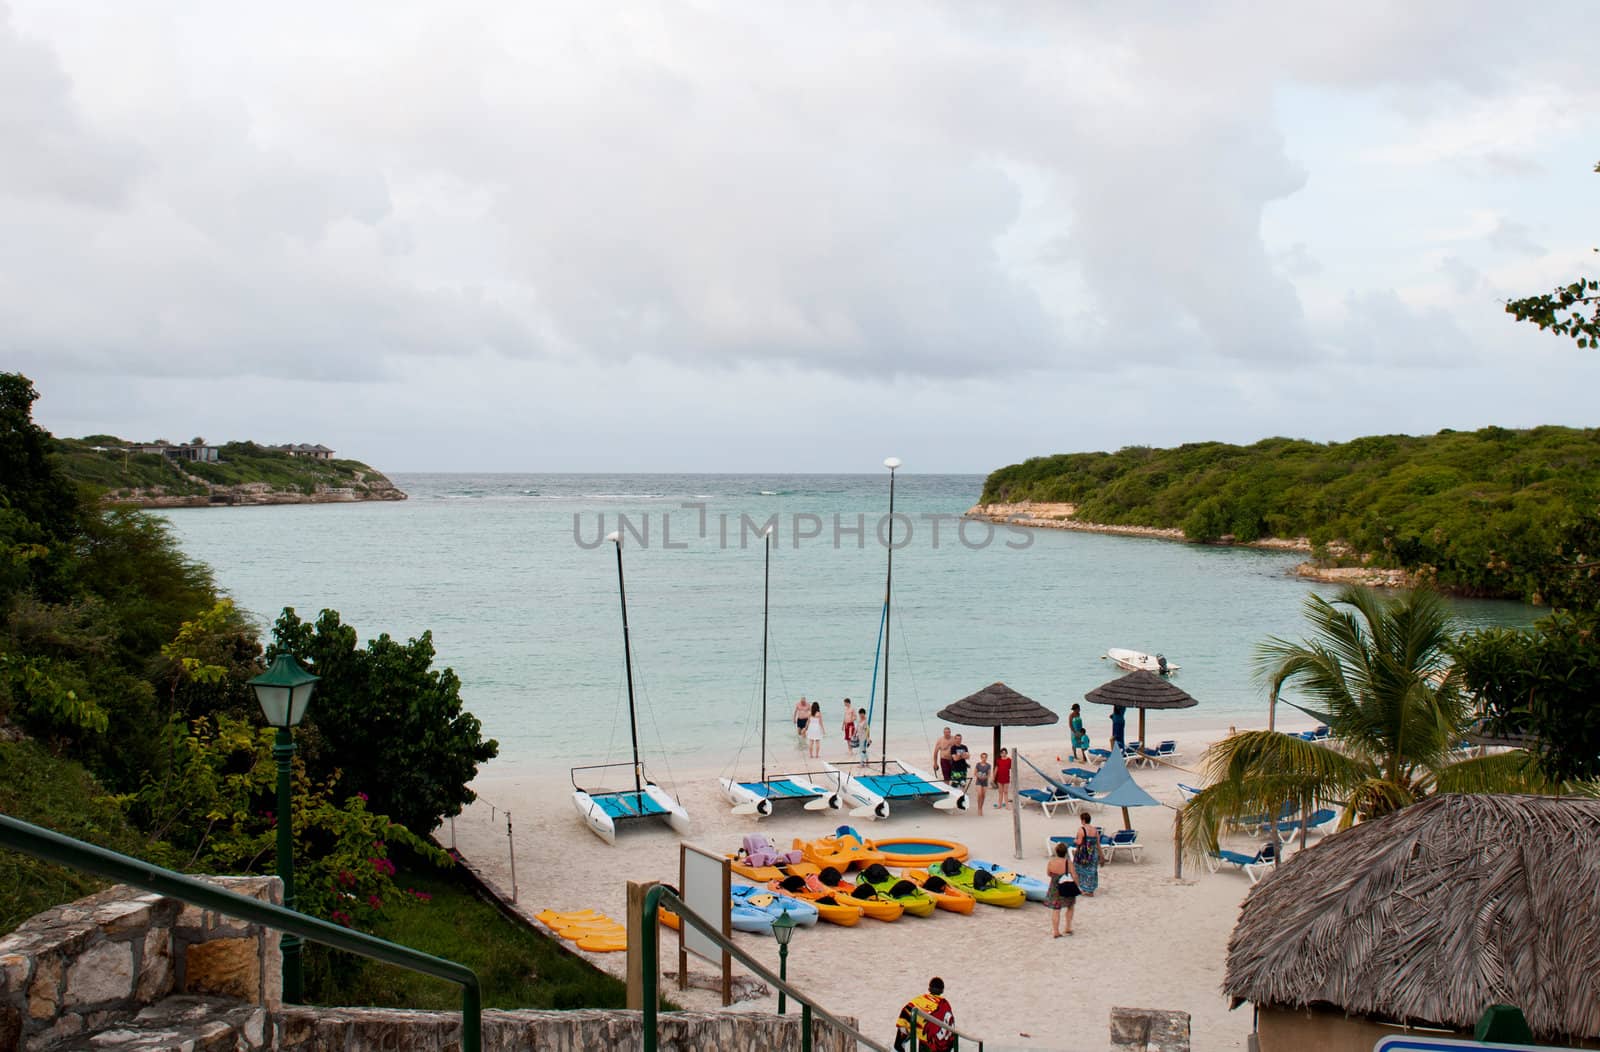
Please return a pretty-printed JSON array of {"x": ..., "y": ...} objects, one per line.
[
  {"x": 1428, "y": 916},
  {"x": 997, "y": 705},
  {"x": 1141, "y": 690}
]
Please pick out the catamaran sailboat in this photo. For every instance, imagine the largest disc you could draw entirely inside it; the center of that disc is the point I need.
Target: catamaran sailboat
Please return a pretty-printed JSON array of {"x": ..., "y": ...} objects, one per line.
[
  {"x": 757, "y": 797},
  {"x": 604, "y": 809},
  {"x": 873, "y": 786}
]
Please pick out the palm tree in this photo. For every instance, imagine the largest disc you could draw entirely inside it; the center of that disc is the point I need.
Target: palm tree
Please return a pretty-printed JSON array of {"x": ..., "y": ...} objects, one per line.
[{"x": 1377, "y": 673}]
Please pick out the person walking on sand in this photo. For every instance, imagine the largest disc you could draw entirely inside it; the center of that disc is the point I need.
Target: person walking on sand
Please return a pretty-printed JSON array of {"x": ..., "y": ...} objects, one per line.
[
  {"x": 934, "y": 1010},
  {"x": 1002, "y": 780},
  {"x": 980, "y": 778},
  {"x": 863, "y": 734},
  {"x": 849, "y": 728},
  {"x": 814, "y": 730},
  {"x": 1062, "y": 895},
  {"x": 1086, "y": 855},
  {"x": 802, "y": 716},
  {"x": 941, "y": 755}
]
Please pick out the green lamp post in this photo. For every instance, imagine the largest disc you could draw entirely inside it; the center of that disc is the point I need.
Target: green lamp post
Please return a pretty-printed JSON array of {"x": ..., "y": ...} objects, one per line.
[
  {"x": 283, "y": 692},
  {"x": 783, "y": 931}
]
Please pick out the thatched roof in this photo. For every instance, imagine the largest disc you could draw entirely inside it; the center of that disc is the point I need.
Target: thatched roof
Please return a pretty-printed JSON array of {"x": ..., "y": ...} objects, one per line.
[
  {"x": 1141, "y": 690},
  {"x": 997, "y": 705},
  {"x": 1431, "y": 914}
]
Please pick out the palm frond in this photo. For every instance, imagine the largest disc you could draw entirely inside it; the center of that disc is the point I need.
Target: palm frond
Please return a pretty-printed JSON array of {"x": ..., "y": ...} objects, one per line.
[{"x": 1513, "y": 771}]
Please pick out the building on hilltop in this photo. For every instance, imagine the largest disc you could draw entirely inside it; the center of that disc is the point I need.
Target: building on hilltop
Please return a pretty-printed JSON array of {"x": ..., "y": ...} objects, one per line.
[
  {"x": 316, "y": 452},
  {"x": 1425, "y": 918},
  {"x": 182, "y": 451}
]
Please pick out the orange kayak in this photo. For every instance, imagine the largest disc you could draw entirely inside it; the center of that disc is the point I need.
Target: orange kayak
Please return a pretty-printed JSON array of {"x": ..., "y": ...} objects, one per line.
[
  {"x": 833, "y": 907},
  {"x": 872, "y": 904},
  {"x": 841, "y": 851},
  {"x": 945, "y": 895}
]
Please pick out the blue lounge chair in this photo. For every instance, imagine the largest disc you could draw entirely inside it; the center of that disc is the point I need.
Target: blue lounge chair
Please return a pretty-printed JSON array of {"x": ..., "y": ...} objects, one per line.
[
  {"x": 1189, "y": 792},
  {"x": 1316, "y": 822},
  {"x": 1253, "y": 866},
  {"x": 1078, "y": 772},
  {"x": 1122, "y": 840}
]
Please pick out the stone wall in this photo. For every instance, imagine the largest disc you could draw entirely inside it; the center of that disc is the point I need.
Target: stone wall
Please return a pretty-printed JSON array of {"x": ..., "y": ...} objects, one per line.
[
  {"x": 1149, "y": 1030},
  {"x": 371, "y": 1029},
  {"x": 88, "y": 964}
]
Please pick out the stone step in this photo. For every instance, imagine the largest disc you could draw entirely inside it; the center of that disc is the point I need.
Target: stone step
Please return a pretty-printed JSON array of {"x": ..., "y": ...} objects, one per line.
[{"x": 182, "y": 1023}]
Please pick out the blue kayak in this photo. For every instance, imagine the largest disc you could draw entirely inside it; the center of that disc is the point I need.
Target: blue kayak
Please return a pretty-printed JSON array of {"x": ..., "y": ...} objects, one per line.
[
  {"x": 754, "y": 909},
  {"x": 1032, "y": 887}
]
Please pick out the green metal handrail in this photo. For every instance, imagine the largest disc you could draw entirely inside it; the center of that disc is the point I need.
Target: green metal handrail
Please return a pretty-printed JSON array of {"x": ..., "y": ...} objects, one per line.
[
  {"x": 75, "y": 854},
  {"x": 657, "y": 897}
]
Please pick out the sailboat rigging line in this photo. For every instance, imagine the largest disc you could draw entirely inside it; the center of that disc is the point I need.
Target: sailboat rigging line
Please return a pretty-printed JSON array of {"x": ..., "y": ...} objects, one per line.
[
  {"x": 888, "y": 592},
  {"x": 766, "y": 608},
  {"x": 922, "y": 713},
  {"x": 627, "y": 652},
  {"x": 749, "y": 727},
  {"x": 877, "y": 652},
  {"x": 616, "y": 712}
]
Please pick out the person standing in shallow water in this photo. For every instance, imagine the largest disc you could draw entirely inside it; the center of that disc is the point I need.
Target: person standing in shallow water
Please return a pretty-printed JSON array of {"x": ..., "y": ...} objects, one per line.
[
  {"x": 802, "y": 716},
  {"x": 814, "y": 730}
]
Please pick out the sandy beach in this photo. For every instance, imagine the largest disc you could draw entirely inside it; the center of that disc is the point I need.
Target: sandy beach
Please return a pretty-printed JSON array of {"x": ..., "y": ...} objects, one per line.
[{"x": 1145, "y": 940}]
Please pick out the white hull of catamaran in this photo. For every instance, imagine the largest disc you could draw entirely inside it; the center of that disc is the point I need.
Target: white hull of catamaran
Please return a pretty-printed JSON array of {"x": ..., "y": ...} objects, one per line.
[
  {"x": 871, "y": 804},
  {"x": 747, "y": 802},
  {"x": 603, "y": 826}
]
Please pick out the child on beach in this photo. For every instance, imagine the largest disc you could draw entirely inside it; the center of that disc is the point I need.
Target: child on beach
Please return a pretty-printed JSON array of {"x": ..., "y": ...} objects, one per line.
[
  {"x": 814, "y": 731},
  {"x": 863, "y": 734},
  {"x": 802, "y": 716},
  {"x": 980, "y": 778},
  {"x": 1002, "y": 780}
]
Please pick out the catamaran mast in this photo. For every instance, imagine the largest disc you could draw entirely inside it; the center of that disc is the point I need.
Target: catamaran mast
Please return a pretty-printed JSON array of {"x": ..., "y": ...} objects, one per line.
[
  {"x": 766, "y": 593},
  {"x": 627, "y": 654},
  {"x": 888, "y": 591}
]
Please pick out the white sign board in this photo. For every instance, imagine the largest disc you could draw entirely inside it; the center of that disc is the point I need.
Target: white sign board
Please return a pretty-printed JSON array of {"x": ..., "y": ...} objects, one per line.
[{"x": 705, "y": 890}]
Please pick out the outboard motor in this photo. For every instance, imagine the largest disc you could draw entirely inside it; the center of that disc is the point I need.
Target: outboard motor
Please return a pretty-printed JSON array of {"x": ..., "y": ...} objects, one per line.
[{"x": 1161, "y": 663}]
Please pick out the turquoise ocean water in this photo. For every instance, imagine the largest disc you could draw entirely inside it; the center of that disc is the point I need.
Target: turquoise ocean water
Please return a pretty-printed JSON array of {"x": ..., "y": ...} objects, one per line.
[{"x": 528, "y": 616}]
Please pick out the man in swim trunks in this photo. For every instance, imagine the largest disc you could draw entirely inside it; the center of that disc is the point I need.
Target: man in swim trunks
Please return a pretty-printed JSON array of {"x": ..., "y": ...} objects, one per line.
[
  {"x": 941, "y": 755},
  {"x": 958, "y": 763},
  {"x": 802, "y": 716}
]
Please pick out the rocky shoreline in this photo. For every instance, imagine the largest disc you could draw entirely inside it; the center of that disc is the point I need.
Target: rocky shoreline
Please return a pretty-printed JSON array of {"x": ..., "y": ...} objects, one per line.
[
  {"x": 1048, "y": 516},
  {"x": 255, "y": 494}
]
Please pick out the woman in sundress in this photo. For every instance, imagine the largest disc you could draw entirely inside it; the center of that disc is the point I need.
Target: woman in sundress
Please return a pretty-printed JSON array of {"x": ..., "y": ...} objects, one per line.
[
  {"x": 1062, "y": 895},
  {"x": 814, "y": 730},
  {"x": 1086, "y": 855}
]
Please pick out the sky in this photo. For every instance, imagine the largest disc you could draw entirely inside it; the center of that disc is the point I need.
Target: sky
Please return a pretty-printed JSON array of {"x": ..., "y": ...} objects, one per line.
[{"x": 754, "y": 237}]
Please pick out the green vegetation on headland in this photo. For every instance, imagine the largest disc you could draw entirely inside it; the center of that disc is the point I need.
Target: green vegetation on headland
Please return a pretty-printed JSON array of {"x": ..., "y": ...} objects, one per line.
[
  {"x": 126, "y": 719},
  {"x": 243, "y": 473},
  {"x": 1492, "y": 512}
]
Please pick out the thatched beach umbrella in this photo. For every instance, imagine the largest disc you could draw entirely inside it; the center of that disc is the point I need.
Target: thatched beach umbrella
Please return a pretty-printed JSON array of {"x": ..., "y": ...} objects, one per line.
[
  {"x": 997, "y": 705},
  {"x": 1427, "y": 916},
  {"x": 1141, "y": 690}
]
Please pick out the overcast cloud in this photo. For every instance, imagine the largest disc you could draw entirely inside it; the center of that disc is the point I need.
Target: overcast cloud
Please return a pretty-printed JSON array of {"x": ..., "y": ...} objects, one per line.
[{"x": 789, "y": 237}]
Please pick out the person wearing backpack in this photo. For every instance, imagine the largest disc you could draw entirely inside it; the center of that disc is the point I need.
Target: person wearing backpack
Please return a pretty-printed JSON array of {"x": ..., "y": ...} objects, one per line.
[{"x": 1062, "y": 895}]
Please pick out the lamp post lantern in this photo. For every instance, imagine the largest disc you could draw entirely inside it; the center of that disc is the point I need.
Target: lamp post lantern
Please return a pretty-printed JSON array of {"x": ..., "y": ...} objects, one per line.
[
  {"x": 283, "y": 692},
  {"x": 783, "y": 931}
]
